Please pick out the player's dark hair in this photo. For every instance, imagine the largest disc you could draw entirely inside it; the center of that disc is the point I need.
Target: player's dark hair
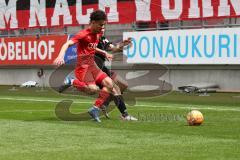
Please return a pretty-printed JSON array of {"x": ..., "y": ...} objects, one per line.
[{"x": 98, "y": 15}]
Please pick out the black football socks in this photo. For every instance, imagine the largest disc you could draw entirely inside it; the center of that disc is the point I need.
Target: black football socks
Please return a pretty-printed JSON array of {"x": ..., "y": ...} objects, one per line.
[{"x": 118, "y": 100}]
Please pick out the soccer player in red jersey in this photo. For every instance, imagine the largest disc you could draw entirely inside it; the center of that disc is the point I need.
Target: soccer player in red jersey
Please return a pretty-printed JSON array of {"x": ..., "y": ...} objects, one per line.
[{"x": 87, "y": 72}]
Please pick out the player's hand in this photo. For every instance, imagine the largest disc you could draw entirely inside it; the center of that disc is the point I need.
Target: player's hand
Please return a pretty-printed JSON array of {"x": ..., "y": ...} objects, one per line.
[
  {"x": 109, "y": 56},
  {"x": 124, "y": 43},
  {"x": 127, "y": 42},
  {"x": 59, "y": 61}
]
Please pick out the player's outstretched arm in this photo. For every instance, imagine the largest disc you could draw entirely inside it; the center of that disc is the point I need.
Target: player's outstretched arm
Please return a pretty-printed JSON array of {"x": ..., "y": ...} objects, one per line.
[
  {"x": 119, "y": 46},
  {"x": 104, "y": 53},
  {"x": 60, "y": 58}
]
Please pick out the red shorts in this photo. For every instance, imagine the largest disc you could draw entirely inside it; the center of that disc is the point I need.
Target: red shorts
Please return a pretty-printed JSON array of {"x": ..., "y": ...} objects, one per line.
[{"x": 89, "y": 74}]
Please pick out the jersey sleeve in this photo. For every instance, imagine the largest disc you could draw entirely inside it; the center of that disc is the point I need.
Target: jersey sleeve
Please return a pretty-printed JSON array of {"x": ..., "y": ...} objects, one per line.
[
  {"x": 104, "y": 43},
  {"x": 80, "y": 35},
  {"x": 107, "y": 43}
]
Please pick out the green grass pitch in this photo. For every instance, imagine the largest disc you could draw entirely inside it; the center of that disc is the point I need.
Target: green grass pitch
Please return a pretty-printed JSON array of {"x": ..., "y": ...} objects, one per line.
[{"x": 30, "y": 130}]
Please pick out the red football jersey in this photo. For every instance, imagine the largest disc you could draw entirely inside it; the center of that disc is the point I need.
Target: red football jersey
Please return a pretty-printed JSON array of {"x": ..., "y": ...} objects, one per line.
[{"x": 86, "y": 46}]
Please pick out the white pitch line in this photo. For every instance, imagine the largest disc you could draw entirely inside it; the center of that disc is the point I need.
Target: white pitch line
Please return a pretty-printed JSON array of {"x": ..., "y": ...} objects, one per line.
[
  {"x": 190, "y": 107},
  {"x": 36, "y": 100},
  {"x": 139, "y": 105},
  {"x": 37, "y": 110},
  {"x": 41, "y": 100}
]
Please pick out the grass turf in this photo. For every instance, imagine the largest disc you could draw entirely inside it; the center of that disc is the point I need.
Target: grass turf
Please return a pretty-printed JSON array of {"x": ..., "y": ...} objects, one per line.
[{"x": 30, "y": 130}]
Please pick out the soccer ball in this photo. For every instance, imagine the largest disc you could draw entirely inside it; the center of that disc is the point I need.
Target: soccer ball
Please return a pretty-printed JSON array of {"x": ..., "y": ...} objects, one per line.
[{"x": 195, "y": 118}]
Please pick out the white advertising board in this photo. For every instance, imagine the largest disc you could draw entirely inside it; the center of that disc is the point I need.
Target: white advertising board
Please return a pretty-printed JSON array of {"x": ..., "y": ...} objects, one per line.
[{"x": 193, "y": 46}]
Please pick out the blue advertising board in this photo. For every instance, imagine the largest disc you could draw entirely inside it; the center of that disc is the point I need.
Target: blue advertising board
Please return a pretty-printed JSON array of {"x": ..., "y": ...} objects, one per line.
[{"x": 71, "y": 54}]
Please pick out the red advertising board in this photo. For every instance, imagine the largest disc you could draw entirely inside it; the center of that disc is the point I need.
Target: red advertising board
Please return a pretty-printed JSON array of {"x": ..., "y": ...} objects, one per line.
[
  {"x": 16, "y": 14},
  {"x": 30, "y": 50}
]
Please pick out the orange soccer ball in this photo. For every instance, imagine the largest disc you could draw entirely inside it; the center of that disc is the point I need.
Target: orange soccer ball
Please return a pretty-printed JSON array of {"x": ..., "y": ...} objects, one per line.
[{"x": 195, "y": 118}]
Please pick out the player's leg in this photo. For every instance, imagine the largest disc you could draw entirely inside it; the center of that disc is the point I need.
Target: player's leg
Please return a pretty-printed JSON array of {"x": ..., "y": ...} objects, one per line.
[
  {"x": 84, "y": 80},
  {"x": 69, "y": 81},
  {"x": 100, "y": 64},
  {"x": 81, "y": 86},
  {"x": 66, "y": 84},
  {"x": 112, "y": 75},
  {"x": 119, "y": 82},
  {"x": 107, "y": 88},
  {"x": 91, "y": 89},
  {"x": 78, "y": 81},
  {"x": 117, "y": 97},
  {"x": 102, "y": 96},
  {"x": 119, "y": 101},
  {"x": 122, "y": 84}
]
